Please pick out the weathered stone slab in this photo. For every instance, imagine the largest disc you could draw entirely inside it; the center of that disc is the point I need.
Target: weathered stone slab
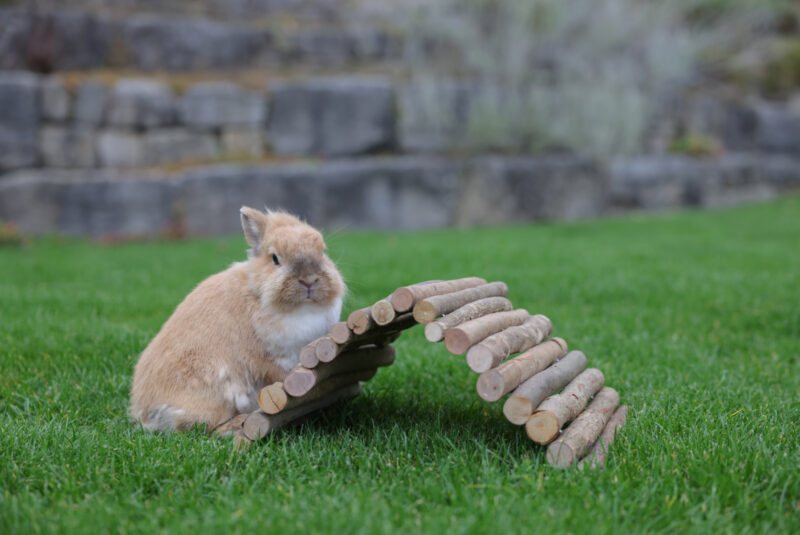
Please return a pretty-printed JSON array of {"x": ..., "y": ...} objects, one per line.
[
  {"x": 68, "y": 146},
  {"x": 777, "y": 129},
  {"x": 532, "y": 188},
  {"x": 655, "y": 182},
  {"x": 91, "y": 101},
  {"x": 243, "y": 141},
  {"x": 156, "y": 42},
  {"x": 177, "y": 145},
  {"x": 141, "y": 103},
  {"x": 118, "y": 148},
  {"x": 212, "y": 105},
  {"x": 55, "y": 100},
  {"x": 433, "y": 114},
  {"x": 407, "y": 193},
  {"x": 332, "y": 116},
  {"x": 19, "y": 119},
  {"x": 104, "y": 204}
]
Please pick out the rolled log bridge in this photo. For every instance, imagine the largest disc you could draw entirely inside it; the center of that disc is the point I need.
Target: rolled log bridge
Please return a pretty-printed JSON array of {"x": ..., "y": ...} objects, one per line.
[
  {"x": 435, "y": 332},
  {"x": 459, "y": 339},
  {"x": 340, "y": 332},
  {"x": 598, "y": 452},
  {"x": 258, "y": 424},
  {"x": 273, "y": 398},
  {"x": 403, "y": 299},
  {"x": 430, "y": 308},
  {"x": 498, "y": 347},
  {"x": 556, "y": 411},
  {"x": 308, "y": 354},
  {"x": 498, "y": 382},
  {"x": 382, "y": 312},
  {"x": 301, "y": 380},
  {"x": 520, "y": 405},
  {"x": 576, "y": 439},
  {"x": 360, "y": 321}
]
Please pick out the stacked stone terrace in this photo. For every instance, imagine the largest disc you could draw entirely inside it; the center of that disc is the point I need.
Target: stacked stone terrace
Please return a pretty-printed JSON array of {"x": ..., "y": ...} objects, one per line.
[{"x": 151, "y": 118}]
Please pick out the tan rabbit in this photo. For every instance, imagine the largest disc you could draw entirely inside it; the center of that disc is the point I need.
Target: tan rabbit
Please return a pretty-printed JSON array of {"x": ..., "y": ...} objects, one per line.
[{"x": 240, "y": 329}]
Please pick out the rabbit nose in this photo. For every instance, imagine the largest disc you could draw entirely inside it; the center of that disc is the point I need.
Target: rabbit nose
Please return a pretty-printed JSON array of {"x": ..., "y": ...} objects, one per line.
[{"x": 308, "y": 283}]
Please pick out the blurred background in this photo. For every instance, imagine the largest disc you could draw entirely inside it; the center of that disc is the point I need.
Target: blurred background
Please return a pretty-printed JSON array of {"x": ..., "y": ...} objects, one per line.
[{"x": 159, "y": 118}]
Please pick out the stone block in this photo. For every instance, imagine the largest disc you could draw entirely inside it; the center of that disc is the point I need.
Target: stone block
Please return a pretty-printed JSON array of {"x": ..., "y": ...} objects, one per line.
[
  {"x": 655, "y": 182},
  {"x": 98, "y": 203},
  {"x": 19, "y": 119},
  {"x": 333, "y": 116},
  {"x": 120, "y": 149},
  {"x": 178, "y": 145},
  {"x": 238, "y": 141},
  {"x": 213, "y": 105},
  {"x": 68, "y": 146},
  {"x": 141, "y": 103},
  {"x": 404, "y": 193},
  {"x": 91, "y": 101},
  {"x": 533, "y": 188},
  {"x": 182, "y": 44},
  {"x": 55, "y": 100},
  {"x": 777, "y": 129},
  {"x": 433, "y": 114}
]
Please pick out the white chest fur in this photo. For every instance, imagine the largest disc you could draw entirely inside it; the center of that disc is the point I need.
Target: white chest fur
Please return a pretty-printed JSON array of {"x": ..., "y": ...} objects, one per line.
[{"x": 285, "y": 335}]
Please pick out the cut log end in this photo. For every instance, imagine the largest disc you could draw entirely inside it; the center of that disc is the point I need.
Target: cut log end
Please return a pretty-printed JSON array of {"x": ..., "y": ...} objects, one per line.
[
  {"x": 256, "y": 426},
  {"x": 424, "y": 312},
  {"x": 402, "y": 299},
  {"x": 456, "y": 341},
  {"x": 272, "y": 399},
  {"x": 434, "y": 332},
  {"x": 326, "y": 349},
  {"x": 517, "y": 409},
  {"x": 480, "y": 359},
  {"x": 308, "y": 355},
  {"x": 340, "y": 333},
  {"x": 382, "y": 312},
  {"x": 299, "y": 382},
  {"x": 359, "y": 321},
  {"x": 491, "y": 386},
  {"x": 560, "y": 455},
  {"x": 542, "y": 427}
]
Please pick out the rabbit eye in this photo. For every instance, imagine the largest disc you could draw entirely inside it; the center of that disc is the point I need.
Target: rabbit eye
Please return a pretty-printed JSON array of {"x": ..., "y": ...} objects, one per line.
[{"x": 275, "y": 260}]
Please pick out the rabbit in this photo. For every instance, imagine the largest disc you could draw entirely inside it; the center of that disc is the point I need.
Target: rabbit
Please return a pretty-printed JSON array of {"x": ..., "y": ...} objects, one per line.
[{"x": 239, "y": 330}]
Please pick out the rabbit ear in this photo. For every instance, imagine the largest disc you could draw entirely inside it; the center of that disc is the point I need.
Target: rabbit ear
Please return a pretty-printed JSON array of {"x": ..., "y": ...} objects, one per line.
[{"x": 254, "y": 224}]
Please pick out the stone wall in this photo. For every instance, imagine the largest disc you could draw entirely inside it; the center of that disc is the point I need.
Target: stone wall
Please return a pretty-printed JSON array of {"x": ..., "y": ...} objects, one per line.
[
  {"x": 407, "y": 192},
  {"x": 46, "y": 40}
]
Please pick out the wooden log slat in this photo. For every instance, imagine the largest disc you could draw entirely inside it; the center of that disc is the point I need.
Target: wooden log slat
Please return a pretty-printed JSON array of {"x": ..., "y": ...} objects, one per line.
[
  {"x": 382, "y": 312},
  {"x": 430, "y": 308},
  {"x": 308, "y": 355},
  {"x": 596, "y": 457},
  {"x": 258, "y": 424},
  {"x": 340, "y": 332},
  {"x": 436, "y": 331},
  {"x": 360, "y": 321},
  {"x": 458, "y": 339},
  {"x": 273, "y": 398},
  {"x": 556, "y": 411},
  {"x": 403, "y": 299},
  {"x": 496, "y": 383},
  {"x": 521, "y": 403},
  {"x": 576, "y": 439},
  {"x": 301, "y": 380},
  {"x": 498, "y": 347}
]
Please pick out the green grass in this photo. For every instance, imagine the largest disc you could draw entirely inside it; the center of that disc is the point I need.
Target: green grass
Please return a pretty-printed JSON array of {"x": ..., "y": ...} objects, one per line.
[{"x": 694, "y": 318}]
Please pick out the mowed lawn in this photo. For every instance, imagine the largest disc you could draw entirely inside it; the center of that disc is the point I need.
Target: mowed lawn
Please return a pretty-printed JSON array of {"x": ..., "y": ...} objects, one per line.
[{"x": 694, "y": 318}]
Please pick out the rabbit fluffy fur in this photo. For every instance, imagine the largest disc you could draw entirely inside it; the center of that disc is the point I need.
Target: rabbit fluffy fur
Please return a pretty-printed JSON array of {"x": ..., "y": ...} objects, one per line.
[{"x": 239, "y": 330}]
